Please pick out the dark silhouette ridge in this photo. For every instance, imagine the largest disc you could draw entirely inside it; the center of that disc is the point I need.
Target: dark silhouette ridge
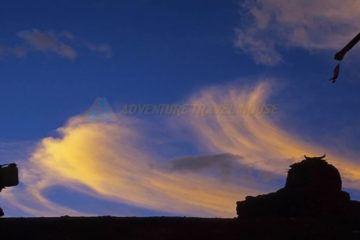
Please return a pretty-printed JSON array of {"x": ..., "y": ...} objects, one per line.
[
  {"x": 172, "y": 228},
  {"x": 313, "y": 188},
  {"x": 276, "y": 223}
]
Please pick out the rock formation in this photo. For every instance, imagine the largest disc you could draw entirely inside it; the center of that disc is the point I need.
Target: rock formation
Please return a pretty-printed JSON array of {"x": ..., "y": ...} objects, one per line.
[{"x": 313, "y": 188}]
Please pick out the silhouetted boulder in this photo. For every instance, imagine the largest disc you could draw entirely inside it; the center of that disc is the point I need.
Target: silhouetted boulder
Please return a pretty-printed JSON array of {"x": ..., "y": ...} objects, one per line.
[
  {"x": 313, "y": 188},
  {"x": 313, "y": 173}
]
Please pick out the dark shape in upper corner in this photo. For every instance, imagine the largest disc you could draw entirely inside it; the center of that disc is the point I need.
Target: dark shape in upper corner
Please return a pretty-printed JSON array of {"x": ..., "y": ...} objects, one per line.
[
  {"x": 339, "y": 56},
  {"x": 313, "y": 188},
  {"x": 335, "y": 73}
]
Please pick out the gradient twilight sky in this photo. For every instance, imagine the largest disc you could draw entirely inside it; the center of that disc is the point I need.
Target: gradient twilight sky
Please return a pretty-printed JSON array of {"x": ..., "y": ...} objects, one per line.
[{"x": 57, "y": 57}]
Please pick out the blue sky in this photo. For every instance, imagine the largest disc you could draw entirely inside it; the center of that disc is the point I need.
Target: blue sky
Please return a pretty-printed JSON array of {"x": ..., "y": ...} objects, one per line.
[
  {"x": 151, "y": 43},
  {"x": 57, "y": 57}
]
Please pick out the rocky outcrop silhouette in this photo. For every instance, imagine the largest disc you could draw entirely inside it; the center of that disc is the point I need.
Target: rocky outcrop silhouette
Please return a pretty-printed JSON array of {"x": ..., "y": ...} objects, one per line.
[{"x": 313, "y": 188}]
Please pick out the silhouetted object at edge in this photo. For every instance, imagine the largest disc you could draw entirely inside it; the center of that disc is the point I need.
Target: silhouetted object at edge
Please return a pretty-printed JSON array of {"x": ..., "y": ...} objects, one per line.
[
  {"x": 341, "y": 54},
  {"x": 9, "y": 177},
  {"x": 313, "y": 188}
]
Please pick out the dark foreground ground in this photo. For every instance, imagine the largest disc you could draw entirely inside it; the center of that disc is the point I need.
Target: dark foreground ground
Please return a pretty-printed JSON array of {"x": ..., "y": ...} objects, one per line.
[{"x": 177, "y": 228}]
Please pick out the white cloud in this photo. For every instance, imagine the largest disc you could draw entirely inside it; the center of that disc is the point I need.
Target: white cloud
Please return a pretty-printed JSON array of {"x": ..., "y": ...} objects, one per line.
[{"x": 312, "y": 25}]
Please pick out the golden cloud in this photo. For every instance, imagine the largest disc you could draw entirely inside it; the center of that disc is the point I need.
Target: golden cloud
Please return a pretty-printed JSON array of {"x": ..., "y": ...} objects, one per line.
[
  {"x": 109, "y": 160},
  {"x": 105, "y": 160},
  {"x": 263, "y": 144}
]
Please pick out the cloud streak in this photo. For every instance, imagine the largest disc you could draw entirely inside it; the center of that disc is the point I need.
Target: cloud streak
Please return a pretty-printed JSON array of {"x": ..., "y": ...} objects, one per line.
[
  {"x": 62, "y": 44},
  {"x": 46, "y": 42},
  {"x": 262, "y": 144},
  {"x": 105, "y": 160},
  {"x": 109, "y": 160},
  {"x": 271, "y": 25}
]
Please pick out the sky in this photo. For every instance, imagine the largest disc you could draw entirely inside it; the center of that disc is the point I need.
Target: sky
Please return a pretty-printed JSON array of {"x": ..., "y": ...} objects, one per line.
[{"x": 82, "y": 85}]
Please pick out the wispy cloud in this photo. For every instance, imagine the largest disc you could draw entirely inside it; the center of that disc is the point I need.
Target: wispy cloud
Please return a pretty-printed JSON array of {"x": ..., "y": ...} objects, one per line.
[
  {"x": 270, "y": 25},
  {"x": 105, "y": 160},
  {"x": 225, "y": 163},
  {"x": 262, "y": 144},
  {"x": 47, "y": 42},
  {"x": 63, "y": 44},
  {"x": 109, "y": 160},
  {"x": 103, "y": 49}
]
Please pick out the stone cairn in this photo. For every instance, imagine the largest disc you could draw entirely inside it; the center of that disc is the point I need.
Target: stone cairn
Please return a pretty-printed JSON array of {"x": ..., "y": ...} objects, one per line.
[{"x": 313, "y": 188}]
